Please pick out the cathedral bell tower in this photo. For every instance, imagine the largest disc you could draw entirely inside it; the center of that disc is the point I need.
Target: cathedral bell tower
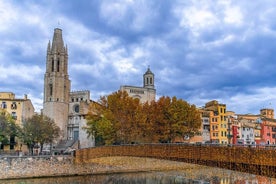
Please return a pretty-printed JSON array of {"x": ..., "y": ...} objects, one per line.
[
  {"x": 148, "y": 79},
  {"x": 56, "y": 83}
]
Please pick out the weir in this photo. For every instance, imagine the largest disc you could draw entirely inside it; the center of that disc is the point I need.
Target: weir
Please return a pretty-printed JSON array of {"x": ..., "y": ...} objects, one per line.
[{"x": 255, "y": 160}]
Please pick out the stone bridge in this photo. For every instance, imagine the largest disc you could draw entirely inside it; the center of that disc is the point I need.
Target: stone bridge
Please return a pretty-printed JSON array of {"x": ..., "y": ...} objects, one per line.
[{"x": 260, "y": 161}]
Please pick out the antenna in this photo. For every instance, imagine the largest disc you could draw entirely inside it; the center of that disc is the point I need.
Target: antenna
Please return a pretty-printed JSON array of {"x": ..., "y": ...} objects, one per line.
[{"x": 58, "y": 24}]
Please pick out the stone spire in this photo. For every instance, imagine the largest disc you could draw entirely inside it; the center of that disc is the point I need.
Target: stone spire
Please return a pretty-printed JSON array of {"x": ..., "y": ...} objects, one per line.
[{"x": 57, "y": 43}]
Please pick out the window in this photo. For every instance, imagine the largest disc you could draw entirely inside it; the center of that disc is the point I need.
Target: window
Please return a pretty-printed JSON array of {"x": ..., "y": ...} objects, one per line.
[
  {"x": 58, "y": 65},
  {"x": 77, "y": 108},
  {"x": 72, "y": 99},
  {"x": 4, "y": 105},
  {"x": 53, "y": 64},
  {"x": 13, "y": 105},
  {"x": 12, "y": 142},
  {"x": 14, "y": 116},
  {"x": 150, "y": 80},
  {"x": 51, "y": 89}
]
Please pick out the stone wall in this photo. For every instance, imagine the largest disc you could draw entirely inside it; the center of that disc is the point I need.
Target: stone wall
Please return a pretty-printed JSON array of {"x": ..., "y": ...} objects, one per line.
[{"x": 37, "y": 166}]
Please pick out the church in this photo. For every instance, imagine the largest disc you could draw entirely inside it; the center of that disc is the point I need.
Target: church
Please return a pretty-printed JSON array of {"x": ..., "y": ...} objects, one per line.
[
  {"x": 147, "y": 93},
  {"x": 66, "y": 108},
  {"x": 69, "y": 108}
]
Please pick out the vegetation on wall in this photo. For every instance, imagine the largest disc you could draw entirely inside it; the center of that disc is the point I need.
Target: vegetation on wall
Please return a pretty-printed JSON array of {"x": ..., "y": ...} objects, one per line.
[{"x": 121, "y": 119}]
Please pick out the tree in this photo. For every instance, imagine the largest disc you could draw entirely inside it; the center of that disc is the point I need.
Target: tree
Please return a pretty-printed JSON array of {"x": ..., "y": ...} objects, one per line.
[
  {"x": 39, "y": 129},
  {"x": 8, "y": 129},
  {"x": 116, "y": 119},
  {"x": 169, "y": 118},
  {"x": 121, "y": 119}
]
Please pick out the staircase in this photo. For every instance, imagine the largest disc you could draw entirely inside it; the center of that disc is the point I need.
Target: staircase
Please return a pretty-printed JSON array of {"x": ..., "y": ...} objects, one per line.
[{"x": 65, "y": 147}]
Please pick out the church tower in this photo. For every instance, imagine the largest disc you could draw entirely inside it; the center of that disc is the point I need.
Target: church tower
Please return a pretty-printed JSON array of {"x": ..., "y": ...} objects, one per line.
[
  {"x": 56, "y": 83},
  {"x": 149, "y": 79}
]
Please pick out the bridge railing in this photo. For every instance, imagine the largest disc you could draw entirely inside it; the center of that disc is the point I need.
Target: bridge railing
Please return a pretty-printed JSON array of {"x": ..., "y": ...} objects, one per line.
[{"x": 261, "y": 161}]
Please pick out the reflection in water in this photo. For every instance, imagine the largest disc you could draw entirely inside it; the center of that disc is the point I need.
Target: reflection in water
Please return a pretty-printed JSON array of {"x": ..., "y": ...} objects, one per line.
[{"x": 171, "y": 177}]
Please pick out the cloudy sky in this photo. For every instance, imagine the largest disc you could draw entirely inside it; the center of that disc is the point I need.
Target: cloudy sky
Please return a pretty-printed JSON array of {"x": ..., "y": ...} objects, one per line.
[{"x": 199, "y": 50}]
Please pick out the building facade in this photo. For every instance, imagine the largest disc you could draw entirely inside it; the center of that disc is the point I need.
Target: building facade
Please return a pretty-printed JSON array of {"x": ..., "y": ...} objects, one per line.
[
  {"x": 20, "y": 109},
  {"x": 78, "y": 108},
  {"x": 147, "y": 93},
  {"x": 218, "y": 122},
  {"x": 66, "y": 108}
]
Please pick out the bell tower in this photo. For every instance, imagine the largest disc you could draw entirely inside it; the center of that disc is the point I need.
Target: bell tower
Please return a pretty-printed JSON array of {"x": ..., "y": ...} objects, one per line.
[
  {"x": 56, "y": 83},
  {"x": 148, "y": 79}
]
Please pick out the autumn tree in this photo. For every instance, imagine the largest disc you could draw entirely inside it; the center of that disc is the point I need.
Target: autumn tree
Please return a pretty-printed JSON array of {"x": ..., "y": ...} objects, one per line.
[
  {"x": 171, "y": 118},
  {"x": 39, "y": 129},
  {"x": 116, "y": 119},
  {"x": 121, "y": 119}
]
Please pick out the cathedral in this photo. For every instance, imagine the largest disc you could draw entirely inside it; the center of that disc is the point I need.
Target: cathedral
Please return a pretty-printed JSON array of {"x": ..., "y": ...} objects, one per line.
[
  {"x": 147, "y": 93},
  {"x": 66, "y": 108}
]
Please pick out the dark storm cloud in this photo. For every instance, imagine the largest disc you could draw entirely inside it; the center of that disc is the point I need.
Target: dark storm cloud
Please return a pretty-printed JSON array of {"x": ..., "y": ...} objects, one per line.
[{"x": 199, "y": 50}]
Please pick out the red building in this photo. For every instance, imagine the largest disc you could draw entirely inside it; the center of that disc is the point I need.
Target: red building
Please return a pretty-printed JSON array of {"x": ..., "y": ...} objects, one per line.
[
  {"x": 235, "y": 134},
  {"x": 268, "y": 131}
]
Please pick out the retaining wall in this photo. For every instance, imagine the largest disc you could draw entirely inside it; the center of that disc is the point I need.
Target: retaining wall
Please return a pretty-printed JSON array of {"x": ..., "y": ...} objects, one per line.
[{"x": 37, "y": 166}]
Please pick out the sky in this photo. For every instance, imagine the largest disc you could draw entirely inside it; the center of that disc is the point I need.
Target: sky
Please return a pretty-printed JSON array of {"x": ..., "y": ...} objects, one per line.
[{"x": 199, "y": 50}]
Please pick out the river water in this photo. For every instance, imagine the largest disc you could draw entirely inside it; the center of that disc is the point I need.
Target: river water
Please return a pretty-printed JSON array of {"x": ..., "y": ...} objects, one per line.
[{"x": 216, "y": 176}]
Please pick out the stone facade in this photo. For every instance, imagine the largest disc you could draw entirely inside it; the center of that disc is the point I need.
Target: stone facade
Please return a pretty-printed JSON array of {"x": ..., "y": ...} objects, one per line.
[
  {"x": 67, "y": 109},
  {"x": 147, "y": 93},
  {"x": 56, "y": 83},
  {"x": 78, "y": 109}
]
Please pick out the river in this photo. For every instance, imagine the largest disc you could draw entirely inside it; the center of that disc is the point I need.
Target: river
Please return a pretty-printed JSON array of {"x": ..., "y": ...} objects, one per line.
[{"x": 222, "y": 176}]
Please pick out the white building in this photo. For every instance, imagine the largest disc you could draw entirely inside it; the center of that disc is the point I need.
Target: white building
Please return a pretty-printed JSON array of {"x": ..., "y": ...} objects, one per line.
[{"x": 147, "y": 93}]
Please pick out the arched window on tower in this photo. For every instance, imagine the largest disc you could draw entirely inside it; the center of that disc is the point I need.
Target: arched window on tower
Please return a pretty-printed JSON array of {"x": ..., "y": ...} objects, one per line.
[
  {"x": 51, "y": 89},
  {"x": 52, "y": 64},
  {"x": 150, "y": 80},
  {"x": 58, "y": 65},
  {"x": 147, "y": 80}
]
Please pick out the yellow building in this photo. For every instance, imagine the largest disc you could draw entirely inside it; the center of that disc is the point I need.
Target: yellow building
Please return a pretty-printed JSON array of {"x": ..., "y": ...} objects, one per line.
[
  {"x": 218, "y": 122},
  {"x": 19, "y": 109}
]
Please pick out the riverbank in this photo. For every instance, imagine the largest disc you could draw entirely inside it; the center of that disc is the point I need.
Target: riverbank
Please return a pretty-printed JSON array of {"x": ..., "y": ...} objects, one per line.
[
  {"x": 37, "y": 167},
  {"x": 59, "y": 167}
]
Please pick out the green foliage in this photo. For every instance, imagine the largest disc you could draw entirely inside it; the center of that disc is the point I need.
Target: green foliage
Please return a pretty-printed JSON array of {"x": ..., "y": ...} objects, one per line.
[
  {"x": 39, "y": 129},
  {"x": 8, "y": 128},
  {"x": 120, "y": 119}
]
